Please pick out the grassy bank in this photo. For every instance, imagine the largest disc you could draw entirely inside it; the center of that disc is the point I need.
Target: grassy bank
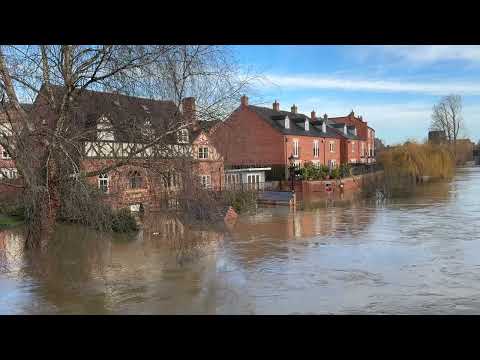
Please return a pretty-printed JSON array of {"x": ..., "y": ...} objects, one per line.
[{"x": 7, "y": 221}]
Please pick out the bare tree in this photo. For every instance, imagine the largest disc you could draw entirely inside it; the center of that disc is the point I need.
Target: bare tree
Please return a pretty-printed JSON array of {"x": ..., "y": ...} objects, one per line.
[
  {"x": 46, "y": 144},
  {"x": 447, "y": 117}
]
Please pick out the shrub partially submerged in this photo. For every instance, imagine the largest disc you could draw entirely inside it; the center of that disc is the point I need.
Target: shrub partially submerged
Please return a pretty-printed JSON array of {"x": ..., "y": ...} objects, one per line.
[
  {"x": 241, "y": 201},
  {"x": 312, "y": 172},
  {"x": 83, "y": 204}
]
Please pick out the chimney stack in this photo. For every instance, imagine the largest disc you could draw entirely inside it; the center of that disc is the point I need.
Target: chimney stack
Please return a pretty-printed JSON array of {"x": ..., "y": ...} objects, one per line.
[
  {"x": 189, "y": 112},
  {"x": 244, "y": 101},
  {"x": 294, "y": 109},
  {"x": 276, "y": 106},
  {"x": 313, "y": 116}
]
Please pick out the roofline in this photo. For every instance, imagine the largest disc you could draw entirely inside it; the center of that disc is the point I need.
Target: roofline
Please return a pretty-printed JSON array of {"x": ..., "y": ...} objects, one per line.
[
  {"x": 282, "y": 133},
  {"x": 248, "y": 169}
]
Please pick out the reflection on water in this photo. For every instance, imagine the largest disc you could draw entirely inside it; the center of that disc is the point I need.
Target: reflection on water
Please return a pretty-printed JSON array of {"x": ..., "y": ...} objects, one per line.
[{"x": 415, "y": 254}]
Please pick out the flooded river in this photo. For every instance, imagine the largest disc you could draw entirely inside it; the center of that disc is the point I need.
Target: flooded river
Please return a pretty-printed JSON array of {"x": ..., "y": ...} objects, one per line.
[{"x": 419, "y": 254}]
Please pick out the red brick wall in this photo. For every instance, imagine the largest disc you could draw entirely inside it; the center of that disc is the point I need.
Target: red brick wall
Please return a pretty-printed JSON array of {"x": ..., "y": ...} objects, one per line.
[
  {"x": 306, "y": 149},
  {"x": 244, "y": 138},
  {"x": 349, "y": 152}
]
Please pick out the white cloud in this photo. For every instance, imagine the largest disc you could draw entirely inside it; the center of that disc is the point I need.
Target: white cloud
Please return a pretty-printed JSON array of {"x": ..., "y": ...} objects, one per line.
[
  {"x": 431, "y": 53},
  {"x": 296, "y": 82}
]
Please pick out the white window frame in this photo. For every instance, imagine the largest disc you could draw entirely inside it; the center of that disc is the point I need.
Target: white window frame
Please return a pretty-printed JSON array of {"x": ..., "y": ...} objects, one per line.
[
  {"x": 5, "y": 154},
  {"x": 101, "y": 179},
  {"x": 295, "y": 149},
  {"x": 206, "y": 181},
  {"x": 316, "y": 163},
  {"x": 332, "y": 163},
  {"x": 332, "y": 146},
  {"x": 203, "y": 152},
  {"x": 316, "y": 149},
  {"x": 307, "y": 125},
  {"x": 9, "y": 173},
  {"x": 287, "y": 122},
  {"x": 231, "y": 179}
]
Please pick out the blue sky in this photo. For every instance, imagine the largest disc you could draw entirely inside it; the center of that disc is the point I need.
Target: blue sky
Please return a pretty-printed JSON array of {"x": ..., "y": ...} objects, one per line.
[{"x": 392, "y": 87}]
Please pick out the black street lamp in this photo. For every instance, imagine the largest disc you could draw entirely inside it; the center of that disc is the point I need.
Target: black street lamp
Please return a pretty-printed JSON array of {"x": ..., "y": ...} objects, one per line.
[{"x": 292, "y": 171}]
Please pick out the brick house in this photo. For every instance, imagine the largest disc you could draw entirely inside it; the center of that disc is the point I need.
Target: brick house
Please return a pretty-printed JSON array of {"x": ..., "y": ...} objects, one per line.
[
  {"x": 365, "y": 134},
  {"x": 8, "y": 170},
  {"x": 112, "y": 126},
  {"x": 255, "y": 136}
]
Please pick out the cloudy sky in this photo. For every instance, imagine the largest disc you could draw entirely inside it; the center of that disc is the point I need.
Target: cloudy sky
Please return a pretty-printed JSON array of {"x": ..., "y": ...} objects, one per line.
[{"x": 392, "y": 87}]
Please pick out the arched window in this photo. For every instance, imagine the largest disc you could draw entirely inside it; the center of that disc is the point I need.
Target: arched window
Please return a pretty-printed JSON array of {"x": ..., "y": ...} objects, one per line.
[
  {"x": 135, "y": 180},
  {"x": 103, "y": 183}
]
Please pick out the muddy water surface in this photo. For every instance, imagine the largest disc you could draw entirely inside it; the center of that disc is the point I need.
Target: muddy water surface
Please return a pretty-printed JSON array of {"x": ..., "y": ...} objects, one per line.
[{"x": 418, "y": 254}]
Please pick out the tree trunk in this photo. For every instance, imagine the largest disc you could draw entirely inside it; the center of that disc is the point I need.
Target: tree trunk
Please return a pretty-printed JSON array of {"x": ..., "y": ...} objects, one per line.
[{"x": 44, "y": 207}]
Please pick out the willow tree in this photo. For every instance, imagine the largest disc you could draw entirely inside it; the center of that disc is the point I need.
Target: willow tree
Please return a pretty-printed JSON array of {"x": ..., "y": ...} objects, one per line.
[{"x": 45, "y": 153}]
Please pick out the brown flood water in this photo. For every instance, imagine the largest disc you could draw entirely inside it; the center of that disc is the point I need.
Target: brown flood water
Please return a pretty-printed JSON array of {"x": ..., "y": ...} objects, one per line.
[{"x": 418, "y": 254}]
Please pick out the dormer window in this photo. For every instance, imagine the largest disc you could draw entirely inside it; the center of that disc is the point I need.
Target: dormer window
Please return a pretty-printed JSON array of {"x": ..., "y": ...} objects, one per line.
[
  {"x": 104, "y": 129},
  {"x": 307, "y": 125},
  {"x": 287, "y": 122},
  {"x": 182, "y": 136},
  {"x": 147, "y": 129}
]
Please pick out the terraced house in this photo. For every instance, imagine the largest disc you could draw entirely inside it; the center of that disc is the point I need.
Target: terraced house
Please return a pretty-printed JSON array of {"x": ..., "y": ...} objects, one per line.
[
  {"x": 365, "y": 137},
  {"x": 256, "y": 137}
]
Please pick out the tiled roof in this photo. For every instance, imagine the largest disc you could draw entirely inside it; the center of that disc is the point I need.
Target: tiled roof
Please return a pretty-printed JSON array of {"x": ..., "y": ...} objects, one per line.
[
  {"x": 276, "y": 118},
  {"x": 350, "y": 131},
  {"x": 127, "y": 114}
]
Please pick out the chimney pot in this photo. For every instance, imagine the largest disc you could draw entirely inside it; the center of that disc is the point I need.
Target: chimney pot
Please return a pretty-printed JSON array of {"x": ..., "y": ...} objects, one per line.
[
  {"x": 276, "y": 106},
  {"x": 313, "y": 115},
  {"x": 294, "y": 109},
  {"x": 244, "y": 100}
]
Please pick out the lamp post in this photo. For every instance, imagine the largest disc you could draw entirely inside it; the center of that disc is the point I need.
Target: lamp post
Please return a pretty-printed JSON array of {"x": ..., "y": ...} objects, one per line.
[{"x": 292, "y": 171}]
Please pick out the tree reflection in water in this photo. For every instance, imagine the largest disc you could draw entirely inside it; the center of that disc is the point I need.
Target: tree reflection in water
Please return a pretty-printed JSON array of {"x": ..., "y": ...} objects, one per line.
[{"x": 85, "y": 271}]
